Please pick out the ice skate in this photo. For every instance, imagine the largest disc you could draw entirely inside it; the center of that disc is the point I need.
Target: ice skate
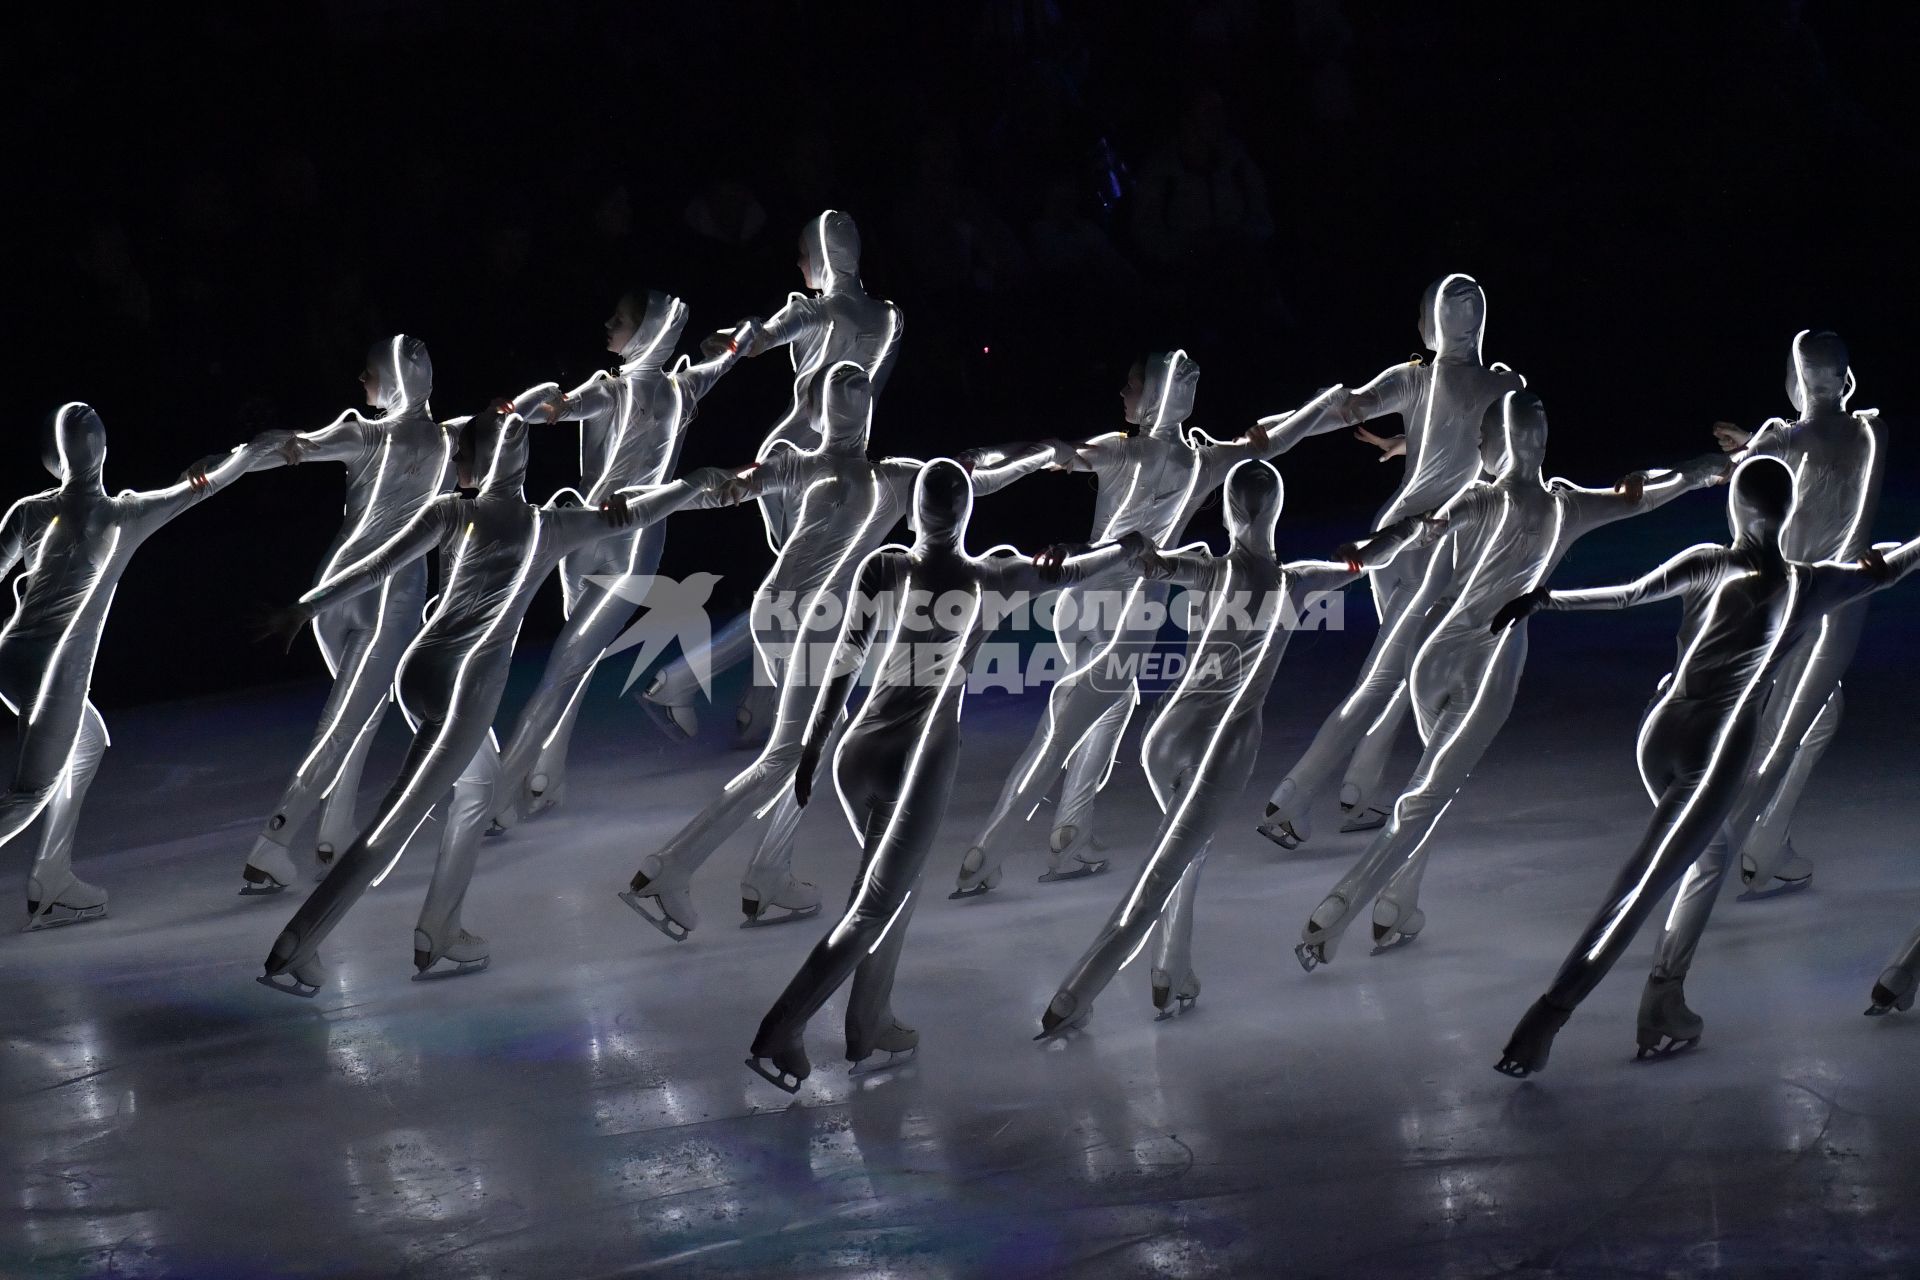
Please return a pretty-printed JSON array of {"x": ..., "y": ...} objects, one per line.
[
  {"x": 1063, "y": 1014},
  {"x": 1321, "y": 937},
  {"x": 465, "y": 953},
  {"x": 973, "y": 882},
  {"x": 504, "y": 821},
  {"x": 74, "y": 902},
  {"x": 1532, "y": 1040},
  {"x": 1894, "y": 991},
  {"x": 676, "y": 720},
  {"x": 792, "y": 900},
  {"x": 304, "y": 979},
  {"x": 1288, "y": 830},
  {"x": 900, "y": 1044},
  {"x": 323, "y": 854},
  {"x": 671, "y": 895},
  {"x": 1666, "y": 1024},
  {"x": 1172, "y": 1001},
  {"x": 542, "y": 792},
  {"x": 1394, "y": 925},
  {"x": 269, "y": 870},
  {"x": 783, "y": 1067},
  {"x": 1067, "y": 855},
  {"x": 1791, "y": 874},
  {"x": 1363, "y": 818}
]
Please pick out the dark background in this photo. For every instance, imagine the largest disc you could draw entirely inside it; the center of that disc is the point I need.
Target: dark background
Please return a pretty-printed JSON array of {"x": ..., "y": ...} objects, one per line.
[{"x": 224, "y": 211}]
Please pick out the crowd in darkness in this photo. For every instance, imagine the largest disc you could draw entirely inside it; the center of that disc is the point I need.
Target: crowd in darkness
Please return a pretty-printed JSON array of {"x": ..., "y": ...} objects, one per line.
[{"x": 226, "y": 211}]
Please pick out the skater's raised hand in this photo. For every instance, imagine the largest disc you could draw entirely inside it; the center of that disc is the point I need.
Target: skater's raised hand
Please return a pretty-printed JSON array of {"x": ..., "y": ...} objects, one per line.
[
  {"x": 1730, "y": 438},
  {"x": 1389, "y": 446},
  {"x": 1519, "y": 607},
  {"x": 283, "y": 625}
]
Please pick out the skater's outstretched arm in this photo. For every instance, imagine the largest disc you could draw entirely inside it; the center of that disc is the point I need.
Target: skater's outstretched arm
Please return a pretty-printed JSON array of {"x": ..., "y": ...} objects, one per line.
[
  {"x": 1391, "y": 392},
  {"x": 1835, "y": 584},
  {"x": 994, "y": 467},
  {"x": 154, "y": 507},
  {"x": 1694, "y": 570},
  {"x": 695, "y": 380},
  {"x": 633, "y": 508},
  {"x": 1375, "y": 551},
  {"x": 1010, "y": 572},
  {"x": 1636, "y": 493},
  {"x": 433, "y": 524},
  {"x": 804, "y": 315}
]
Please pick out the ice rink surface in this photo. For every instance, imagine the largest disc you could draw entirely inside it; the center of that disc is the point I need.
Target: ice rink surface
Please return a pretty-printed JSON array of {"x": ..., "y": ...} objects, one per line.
[{"x": 581, "y": 1109}]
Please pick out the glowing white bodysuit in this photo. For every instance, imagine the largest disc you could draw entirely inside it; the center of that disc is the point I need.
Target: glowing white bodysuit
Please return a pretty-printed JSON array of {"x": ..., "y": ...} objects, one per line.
[
  {"x": 1200, "y": 750},
  {"x": 1441, "y": 405},
  {"x": 396, "y": 463},
  {"x": 1838, "y": 458},
  {"x": 76, "y": 542},
  {"x": 1503, "y": 538},
  {"x": 1745, "y": 606},
  {"x": 497, "y": 549},
  {"x": 843, "y": 506},
  {"x": 632, "y": 425},
  {"x": 1151, "y": 482},
  {"x": 839, "y": 321},
  {"x": 896, "y": 762}
]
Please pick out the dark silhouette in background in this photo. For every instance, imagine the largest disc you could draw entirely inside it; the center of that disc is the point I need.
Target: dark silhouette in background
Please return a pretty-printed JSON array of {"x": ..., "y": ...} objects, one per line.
[{"x": 224, "y": 212}]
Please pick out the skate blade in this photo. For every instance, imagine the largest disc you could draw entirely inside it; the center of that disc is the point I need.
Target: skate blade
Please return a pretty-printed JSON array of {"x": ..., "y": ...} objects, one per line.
[
  {"x": 894, "y": 1060},
  {"x": 1392, "y": 940},
  {"x": 767, "y": 920},
  {"x": 291, "y": 987},
  {"x": 979, "y": 890},
  {"x": 1280, "y": 834},
  {"x": 266, "y": 890},
  {"x": 1667, "y": 1050},
  {"x": 663, "y": 922},
  {"x": 445, "y": 968},
  {"x": 1778, "y": 890},
  {"x": 1311, "y": 955},
  {"x": 52, "y": 915},
  {"x": 663, "y": 720},
  {"x": 774, "y": 1076},
  {"x": 1510, "y": 1067},
  {"x": 1080, "y": 872},
  {"x": 1368, "y": 820},
  {"x": 1179, "y": 1008}
]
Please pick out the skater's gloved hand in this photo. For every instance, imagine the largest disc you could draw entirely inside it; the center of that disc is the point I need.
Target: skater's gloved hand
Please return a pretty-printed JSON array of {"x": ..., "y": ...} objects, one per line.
[
  {"x": 1050, "y": 564},
  {"x": 288, "y": 444},
  {"x": 550, "y": 408},
  {"x": 1389, "y": 446},
  {"x": 616, "y": 510},
  {"x": 1730, "y": 438},
  {"x": 195, "y": 476},
  {"x": 1632, "y": 486},
  {"x": 714, "y": 481},
  {"x": 283, "y": 625},
  {"x": 1517, "y": 608},
  {"x": 1876, "y": 564},
  {"x": 1257, "y": 437},
  {"x": 1140, "y": 548},
  {"x": 1065, "y": 455}
]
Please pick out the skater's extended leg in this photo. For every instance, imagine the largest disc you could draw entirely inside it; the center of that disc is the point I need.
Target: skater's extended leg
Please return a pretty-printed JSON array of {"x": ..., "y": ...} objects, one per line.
[
  {"x": 439, "y": 934},
  {"x": 1174, "y": 983},
  {"x": 1073, "y": 849},
  {"x": 1363, "y": 800},
  {"x": 54, "y": 894}
]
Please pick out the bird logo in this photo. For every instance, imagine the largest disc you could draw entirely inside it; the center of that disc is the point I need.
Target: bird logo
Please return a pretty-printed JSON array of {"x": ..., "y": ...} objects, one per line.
[{"x": 676, "y": 609}]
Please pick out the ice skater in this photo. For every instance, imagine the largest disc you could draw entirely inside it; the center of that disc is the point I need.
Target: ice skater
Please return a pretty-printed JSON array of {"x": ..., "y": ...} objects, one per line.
[
  {"x": 1152, "y": 481},
  {"x": 76, "y": 542},
  {"x": 1744, "y": 606},
  {"x": 632, "y": 425},
  {"x": 1838, "y": 457},
  {"x": 396, "y": 463},
  {"x": 844, "y": 505},
  {"x": 1503, "y": 538},
  {"x": 1200, "y": 749},
  {"x": 895, "y": 764},
  {"x": 838, "y": 320},
  {"x": 1441, "y": 406},
  {"x": 496, "y": 549}
]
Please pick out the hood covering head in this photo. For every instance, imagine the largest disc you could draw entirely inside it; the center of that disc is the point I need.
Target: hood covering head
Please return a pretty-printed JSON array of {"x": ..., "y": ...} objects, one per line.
[
  {"x": 1172, "y": 378},
  {"x": 1818, "y": 375},
  {"x": 1453, "y": 317},
  {"x": 831, "y": 245},
  {"x": 846, "y": 409},
  {"x": 654, "y": 338},
  {"x": 1759, "y": 499},
  {"x": 942, "y": 503},
  {"x": 74, "y": 447},
  {"x": 493, "y": 451},
  {"x": 1255, "y": 495},
  {"x": 1523, "y": 433},
  {"x": 406, "y": 375}
]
